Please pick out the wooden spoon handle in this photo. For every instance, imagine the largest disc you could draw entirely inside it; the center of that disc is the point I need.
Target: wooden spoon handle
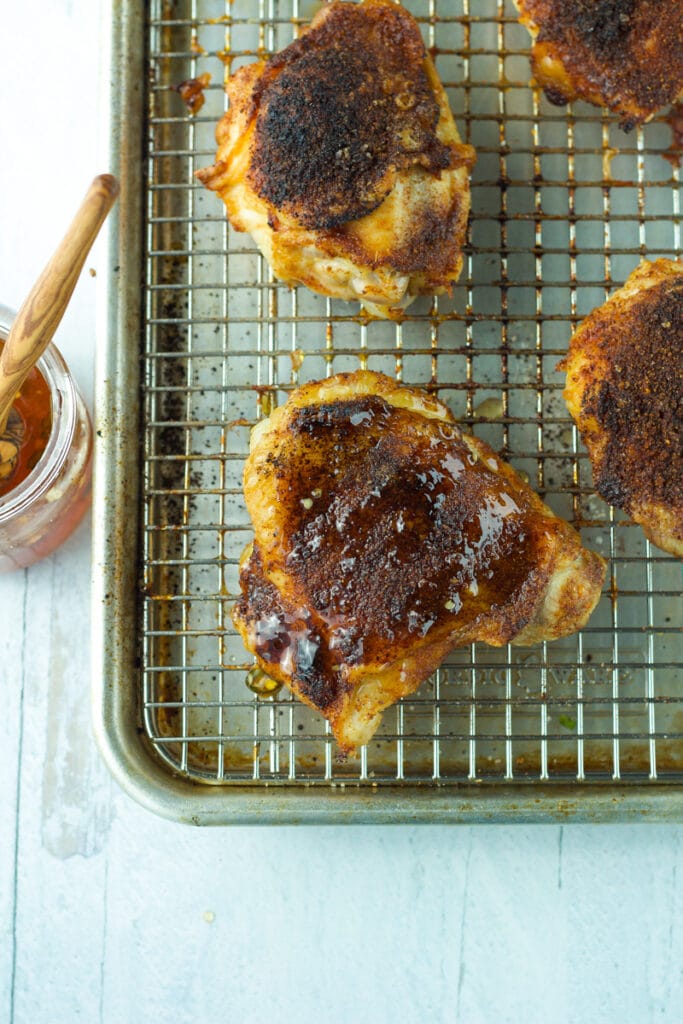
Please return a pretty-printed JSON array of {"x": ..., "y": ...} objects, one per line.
[{"x": 41, "y": 313}]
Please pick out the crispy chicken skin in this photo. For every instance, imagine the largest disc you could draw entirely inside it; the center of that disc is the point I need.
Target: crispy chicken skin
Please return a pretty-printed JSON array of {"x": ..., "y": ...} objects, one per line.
[
  {"x": 384, "y": 537},
  {"x": 626, "y": 55},
  {"x": 625, "y": 391},
  {"x": 341, "y": 157}
]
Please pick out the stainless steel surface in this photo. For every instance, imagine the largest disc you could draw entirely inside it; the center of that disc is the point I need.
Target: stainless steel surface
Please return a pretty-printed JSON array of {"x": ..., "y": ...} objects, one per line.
[{"x": 563, "y": 207}]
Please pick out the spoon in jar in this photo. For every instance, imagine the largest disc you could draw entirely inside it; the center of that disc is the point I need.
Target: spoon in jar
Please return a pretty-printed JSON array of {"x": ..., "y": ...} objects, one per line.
[{"x": 43, "y": 309}]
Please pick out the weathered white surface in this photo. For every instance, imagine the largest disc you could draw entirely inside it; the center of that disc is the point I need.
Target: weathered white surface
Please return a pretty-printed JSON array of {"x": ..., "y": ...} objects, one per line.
[{"x": 108, "y": 914}]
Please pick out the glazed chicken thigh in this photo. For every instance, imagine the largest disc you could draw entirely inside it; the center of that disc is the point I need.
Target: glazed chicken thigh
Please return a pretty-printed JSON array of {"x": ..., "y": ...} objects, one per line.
[
  {"x": 626, "y": 55},
  {"x": 341, "y": 157},
  {"x": 625, "y": 391},
  {"x": 384, "y": 537}
]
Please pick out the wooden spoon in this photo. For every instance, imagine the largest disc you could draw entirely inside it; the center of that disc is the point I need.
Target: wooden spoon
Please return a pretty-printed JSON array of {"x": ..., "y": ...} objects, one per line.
[{"x": 42, "y": 311}]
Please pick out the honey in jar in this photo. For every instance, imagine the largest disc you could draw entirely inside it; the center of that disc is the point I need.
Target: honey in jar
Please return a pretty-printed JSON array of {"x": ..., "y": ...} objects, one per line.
[
  {"x": 27, "y": 432},
  {"x": 46, "y": 457}
]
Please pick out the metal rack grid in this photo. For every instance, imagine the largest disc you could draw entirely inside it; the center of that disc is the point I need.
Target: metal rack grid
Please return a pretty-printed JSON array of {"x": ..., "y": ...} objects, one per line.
[{"x": 563, "y": 207}]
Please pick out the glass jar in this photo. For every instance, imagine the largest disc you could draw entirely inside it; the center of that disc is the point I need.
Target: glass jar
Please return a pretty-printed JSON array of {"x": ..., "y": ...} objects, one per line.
[{"x": 47, "y": 505}]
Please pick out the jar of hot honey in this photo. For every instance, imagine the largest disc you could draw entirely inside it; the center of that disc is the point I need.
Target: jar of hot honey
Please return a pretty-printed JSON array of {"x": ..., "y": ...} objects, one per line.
[{"x": 45, "y": 461}]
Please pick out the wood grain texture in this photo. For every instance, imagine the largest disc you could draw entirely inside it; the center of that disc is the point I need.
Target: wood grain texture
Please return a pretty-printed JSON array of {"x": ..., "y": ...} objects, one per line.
[
  {"x": 14, "y": 595},
  {"x": 44, "y": 307}
]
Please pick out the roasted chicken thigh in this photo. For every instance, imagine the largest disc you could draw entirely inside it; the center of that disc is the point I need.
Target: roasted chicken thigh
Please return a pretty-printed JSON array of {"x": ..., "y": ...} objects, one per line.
[
  {"x": 341, "y": 157},
  {"x": 625, "y": 391},
  {"x": 626, "y": 55},
  {"x": 384, "y": 537}
]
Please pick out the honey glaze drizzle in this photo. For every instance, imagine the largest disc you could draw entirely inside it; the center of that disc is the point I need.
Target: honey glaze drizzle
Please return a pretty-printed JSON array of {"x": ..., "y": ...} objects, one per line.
[
  {"x": 367, "y": 497},
  {"x": 394, "y": 505}
]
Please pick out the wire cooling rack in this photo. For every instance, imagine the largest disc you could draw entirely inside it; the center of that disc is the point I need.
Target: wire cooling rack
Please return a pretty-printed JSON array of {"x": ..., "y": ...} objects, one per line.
[{"x": 564, "y": 205}]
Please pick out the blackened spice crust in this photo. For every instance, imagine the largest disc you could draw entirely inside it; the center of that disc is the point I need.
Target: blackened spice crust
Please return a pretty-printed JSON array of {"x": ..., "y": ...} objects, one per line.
[
  {"x": 630, "y": 52},
  {"x": 340, "y": 111},
  {"x": 604, "y": 27},
  {"x": 639, "y": 405}
]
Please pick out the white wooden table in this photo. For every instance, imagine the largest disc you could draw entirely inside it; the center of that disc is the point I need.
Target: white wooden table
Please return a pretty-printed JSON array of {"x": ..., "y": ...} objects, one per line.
[{"x": 109, "y": 914}]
